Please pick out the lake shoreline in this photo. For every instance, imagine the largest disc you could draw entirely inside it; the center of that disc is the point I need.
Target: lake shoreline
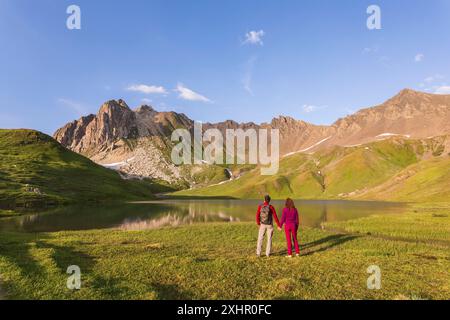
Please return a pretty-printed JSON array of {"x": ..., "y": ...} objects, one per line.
[{"x": 152, "y": 214}]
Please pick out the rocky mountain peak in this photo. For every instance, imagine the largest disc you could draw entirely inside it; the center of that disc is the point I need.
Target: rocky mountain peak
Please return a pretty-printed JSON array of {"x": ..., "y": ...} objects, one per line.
[
  {"x": 409, "y": 97},
  {"x": 113, "y": 106},
  {"x": 283, "y": 121}
]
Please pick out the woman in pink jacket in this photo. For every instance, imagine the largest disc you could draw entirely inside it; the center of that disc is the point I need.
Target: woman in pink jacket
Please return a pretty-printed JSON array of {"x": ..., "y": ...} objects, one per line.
[{"x": 290, "y": 220}]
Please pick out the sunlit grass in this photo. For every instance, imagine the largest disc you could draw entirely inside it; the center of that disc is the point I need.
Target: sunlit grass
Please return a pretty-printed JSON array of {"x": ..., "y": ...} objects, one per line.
[
  {"x": 217, "y": 261},
  {"x": 423, "y": 222}
]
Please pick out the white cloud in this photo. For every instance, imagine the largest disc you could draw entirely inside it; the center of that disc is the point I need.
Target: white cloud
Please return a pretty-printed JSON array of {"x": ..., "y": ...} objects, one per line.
[
  {"x": 442, "y": 90},
  {"x": 188, "y": 94},
  {"x": 79, "y": 108},
  {"x": 254, "y": 37},
  {"x": 419, "y": 57},
  {"x": 143, "y": 88}
]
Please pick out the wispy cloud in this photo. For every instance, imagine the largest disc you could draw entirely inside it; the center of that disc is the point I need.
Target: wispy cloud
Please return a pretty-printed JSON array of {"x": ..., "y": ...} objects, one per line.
[
  {"x": 431, "y": 83},
  {"x": 308, "y": 108},
  {"x": 371, "y": 49},
  {"x": 442, "y": 90},
  {"x": 78, "y": 107},
  {"x": 254, "y": 37},
  {"x": 190, "y": 95},
  {"x": 146, "y": 100},
  {"x": 248, "y": 75},
  {"x": 376, "y": 52},
  {"x": 419, "y": 57},
  {"x": 434, "y": 78},
  {"x": 143, "y": 88}
]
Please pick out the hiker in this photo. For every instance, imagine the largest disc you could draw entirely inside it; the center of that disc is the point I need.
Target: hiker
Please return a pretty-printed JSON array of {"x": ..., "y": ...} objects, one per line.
[
  {"x": 289, "y": 219},
  {"x": 264, "y": 219}
]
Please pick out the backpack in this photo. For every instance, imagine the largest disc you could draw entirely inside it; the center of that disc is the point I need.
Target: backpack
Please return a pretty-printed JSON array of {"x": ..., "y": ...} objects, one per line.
[{"x": 266, "y": 215}]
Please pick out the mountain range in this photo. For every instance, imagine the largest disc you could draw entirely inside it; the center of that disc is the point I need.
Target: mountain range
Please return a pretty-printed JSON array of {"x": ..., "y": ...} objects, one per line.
[{"x": 137, "y": 142}]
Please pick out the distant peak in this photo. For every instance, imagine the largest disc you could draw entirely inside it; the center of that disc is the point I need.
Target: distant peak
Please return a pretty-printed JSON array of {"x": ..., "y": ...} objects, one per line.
[
  {"x": 144, "y": 108},
  {"x": 285, "y": 120},
  {"x": 408, "y": 91},
  {"x": 409, "y": 96},
  {"x": 412, "y": 92}
]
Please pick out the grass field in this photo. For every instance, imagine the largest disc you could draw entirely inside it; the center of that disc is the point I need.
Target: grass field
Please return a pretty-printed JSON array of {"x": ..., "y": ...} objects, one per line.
[
  {"x": 429, "y": 224},
  {"x": 217, "y": 261}
]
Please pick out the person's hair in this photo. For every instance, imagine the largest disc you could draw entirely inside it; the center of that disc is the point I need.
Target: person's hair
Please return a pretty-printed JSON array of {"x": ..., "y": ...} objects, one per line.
[
  {"x": 267, "y": 198},
  {"x": 289, "y": 203}
]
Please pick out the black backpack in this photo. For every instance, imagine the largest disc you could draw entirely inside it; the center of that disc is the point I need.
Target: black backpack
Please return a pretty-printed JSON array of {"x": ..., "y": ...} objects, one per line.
[{"x": 266, "y": 215}]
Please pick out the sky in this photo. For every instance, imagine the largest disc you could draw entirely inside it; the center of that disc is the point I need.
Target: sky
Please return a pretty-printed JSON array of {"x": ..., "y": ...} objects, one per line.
[{"x": 246, "y": 60}]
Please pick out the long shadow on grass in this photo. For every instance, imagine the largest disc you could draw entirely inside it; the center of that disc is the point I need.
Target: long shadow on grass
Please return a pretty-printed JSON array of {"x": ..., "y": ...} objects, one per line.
[
  {"x": 321, "y": 245},
  {"x": 325, "y": 244},
  {"x": 65, "y": 256},
  {"x": 17, "y": 251}
]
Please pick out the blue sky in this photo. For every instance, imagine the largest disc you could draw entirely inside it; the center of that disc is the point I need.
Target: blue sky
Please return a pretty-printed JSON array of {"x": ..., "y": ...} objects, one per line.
[{"x": 314, "y": 60}]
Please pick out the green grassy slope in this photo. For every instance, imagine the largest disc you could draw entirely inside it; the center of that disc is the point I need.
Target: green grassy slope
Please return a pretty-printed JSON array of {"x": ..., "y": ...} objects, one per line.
[
  {"x": 428, "y": 180},
  {"x": 35, "y": 169},
  {"x": 348, "y": 173}
]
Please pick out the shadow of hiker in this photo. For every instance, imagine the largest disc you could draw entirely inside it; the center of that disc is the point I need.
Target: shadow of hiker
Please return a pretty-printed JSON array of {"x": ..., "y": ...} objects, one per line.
[
  {"x": 27, "y": 252},
  {"x": 16, "y": 250},
  {"x": 327, "y": 242},
  {"x": 65, "y": 256}
]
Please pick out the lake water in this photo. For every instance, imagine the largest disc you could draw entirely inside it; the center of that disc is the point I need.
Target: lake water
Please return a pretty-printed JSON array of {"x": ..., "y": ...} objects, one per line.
[{"x": 164, "y": 213}]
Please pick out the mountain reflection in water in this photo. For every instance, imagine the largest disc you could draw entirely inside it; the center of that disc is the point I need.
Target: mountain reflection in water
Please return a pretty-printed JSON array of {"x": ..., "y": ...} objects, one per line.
[{"x": 172, "y": 213}]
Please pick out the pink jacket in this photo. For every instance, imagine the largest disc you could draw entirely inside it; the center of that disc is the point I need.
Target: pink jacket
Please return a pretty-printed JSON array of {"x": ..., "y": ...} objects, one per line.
[{"x": 290, "y": 216}]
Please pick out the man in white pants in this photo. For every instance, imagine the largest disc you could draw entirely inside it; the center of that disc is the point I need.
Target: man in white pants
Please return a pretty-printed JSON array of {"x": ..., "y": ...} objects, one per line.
[{"x": 264, "y": 219}]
